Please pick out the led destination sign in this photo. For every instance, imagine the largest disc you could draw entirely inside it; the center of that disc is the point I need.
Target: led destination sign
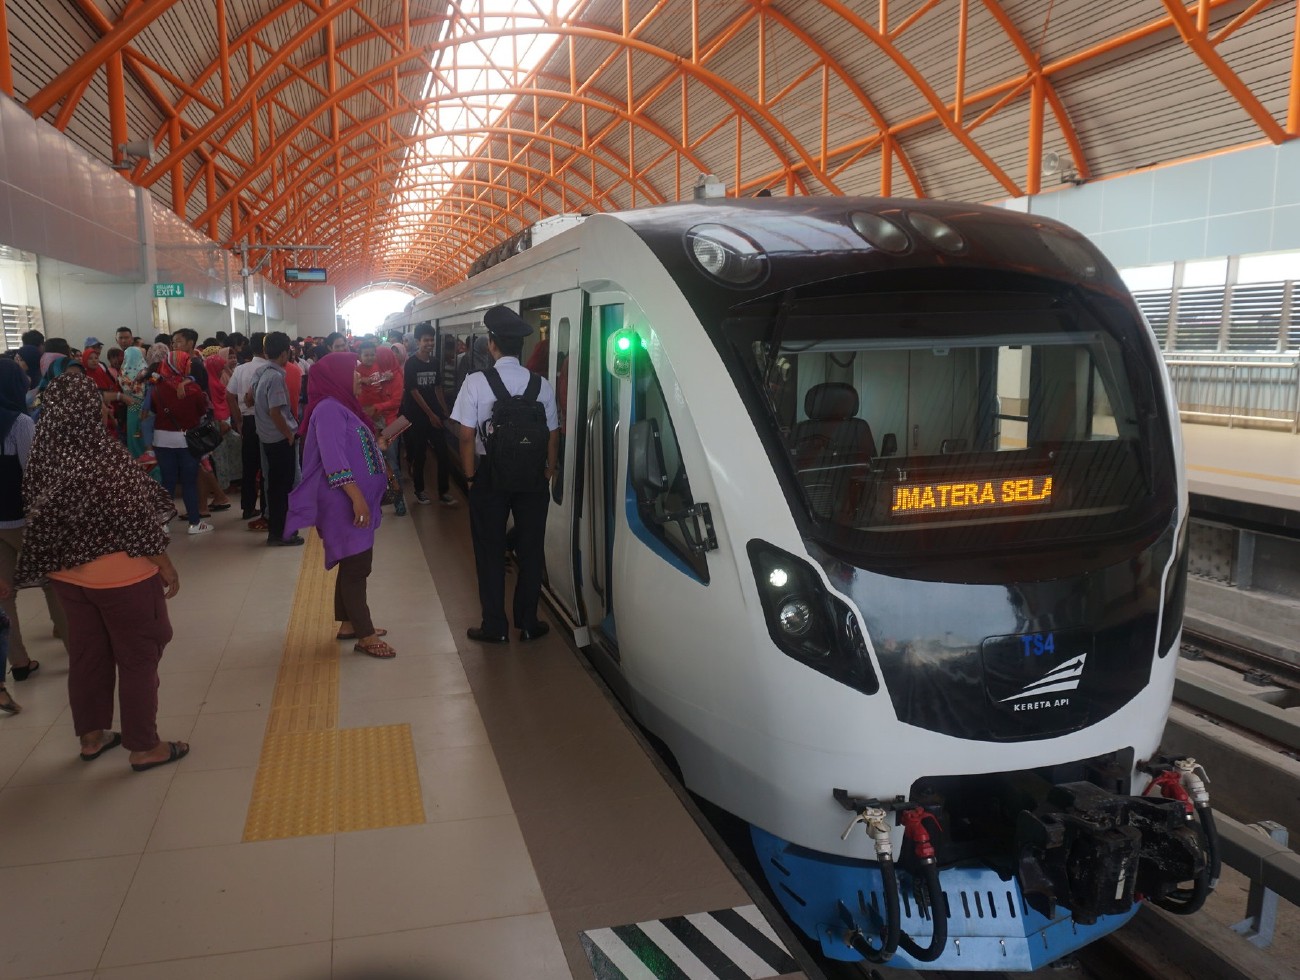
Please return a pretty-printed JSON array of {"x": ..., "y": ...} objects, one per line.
[{"x": 947, "y": 498}]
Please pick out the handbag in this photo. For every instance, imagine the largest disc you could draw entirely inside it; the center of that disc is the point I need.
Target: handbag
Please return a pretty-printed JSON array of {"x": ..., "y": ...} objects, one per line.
[{"x": 204, "y": 438}]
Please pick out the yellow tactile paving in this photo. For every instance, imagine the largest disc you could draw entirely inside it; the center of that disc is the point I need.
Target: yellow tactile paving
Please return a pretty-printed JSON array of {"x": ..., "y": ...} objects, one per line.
[
  {"x": 379, "y": 785},
  {"x": 313, "y": 778}
]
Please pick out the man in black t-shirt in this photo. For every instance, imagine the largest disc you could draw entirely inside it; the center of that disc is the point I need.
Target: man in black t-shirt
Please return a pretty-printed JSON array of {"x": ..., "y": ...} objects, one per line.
[
  {"x": 425, "y": 407},
  {"x": 186, "y": 340}
]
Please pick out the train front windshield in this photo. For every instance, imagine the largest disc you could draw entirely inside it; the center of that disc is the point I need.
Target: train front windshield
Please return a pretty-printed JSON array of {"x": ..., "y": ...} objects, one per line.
[{"x": 956, "y": 422}]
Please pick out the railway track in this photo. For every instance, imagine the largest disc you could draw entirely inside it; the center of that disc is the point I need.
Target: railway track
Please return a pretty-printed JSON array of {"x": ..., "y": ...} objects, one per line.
[{"x": 1254, "y": 664}]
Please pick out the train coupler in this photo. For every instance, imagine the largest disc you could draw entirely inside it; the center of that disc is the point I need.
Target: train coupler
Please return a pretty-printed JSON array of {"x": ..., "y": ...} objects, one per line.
[{"x": 1093, "y": 852}]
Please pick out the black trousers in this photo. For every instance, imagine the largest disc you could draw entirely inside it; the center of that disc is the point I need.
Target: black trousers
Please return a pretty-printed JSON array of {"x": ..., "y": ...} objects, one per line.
[
  {"x": 488, "y": 512},
  {"x": 277, "y": 481},
  {"x": 251, "y": 455},
  {"x": 350, "y": 602},
  {"x": 419, "y": 437}
]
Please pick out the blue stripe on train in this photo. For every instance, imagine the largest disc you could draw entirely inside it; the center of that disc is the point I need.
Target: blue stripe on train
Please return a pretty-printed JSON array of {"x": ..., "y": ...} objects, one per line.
[{"x": 989, "y": 928}]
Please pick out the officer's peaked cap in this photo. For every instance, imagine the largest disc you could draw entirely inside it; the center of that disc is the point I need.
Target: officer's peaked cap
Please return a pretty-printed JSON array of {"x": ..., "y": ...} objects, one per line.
[{"x": 502, "y": 321}]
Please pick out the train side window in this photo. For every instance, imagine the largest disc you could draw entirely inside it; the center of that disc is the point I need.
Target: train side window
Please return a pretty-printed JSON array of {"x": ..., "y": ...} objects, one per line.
[
  {"x": 665, "y": 538},
  {"x": 537, "y": 312},
  {"x": 560, "y": 382}
]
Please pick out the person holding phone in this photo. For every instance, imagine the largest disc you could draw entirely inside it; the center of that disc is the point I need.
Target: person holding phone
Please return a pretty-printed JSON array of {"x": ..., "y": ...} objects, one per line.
[{"x": 343, "y": 480}]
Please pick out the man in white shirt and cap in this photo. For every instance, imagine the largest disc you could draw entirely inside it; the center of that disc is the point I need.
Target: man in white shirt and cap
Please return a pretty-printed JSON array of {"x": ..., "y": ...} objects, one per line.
[{"x": 504, "y": 447}]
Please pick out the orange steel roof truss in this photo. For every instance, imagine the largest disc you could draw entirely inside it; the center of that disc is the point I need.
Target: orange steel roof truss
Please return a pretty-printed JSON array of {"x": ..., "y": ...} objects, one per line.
[{"x": 339, "y": 122}]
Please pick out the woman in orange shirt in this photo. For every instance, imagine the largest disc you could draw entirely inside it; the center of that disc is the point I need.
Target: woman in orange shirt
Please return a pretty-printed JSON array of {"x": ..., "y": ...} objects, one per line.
[{"x": 113, "y": 584}]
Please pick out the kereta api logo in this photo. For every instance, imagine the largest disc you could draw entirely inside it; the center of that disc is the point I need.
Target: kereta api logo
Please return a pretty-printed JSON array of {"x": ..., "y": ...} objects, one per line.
[{"x": 1064, "y": 677}]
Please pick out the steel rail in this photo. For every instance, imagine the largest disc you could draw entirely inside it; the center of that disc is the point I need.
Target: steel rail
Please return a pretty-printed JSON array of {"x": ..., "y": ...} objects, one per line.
[
  {"x": 1241, "y": 657},
  {"x": 1251, "y": 713}
]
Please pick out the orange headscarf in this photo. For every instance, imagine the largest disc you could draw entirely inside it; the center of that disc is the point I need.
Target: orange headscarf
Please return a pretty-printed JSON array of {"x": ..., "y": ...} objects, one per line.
[{"x": 175, "y": 371}]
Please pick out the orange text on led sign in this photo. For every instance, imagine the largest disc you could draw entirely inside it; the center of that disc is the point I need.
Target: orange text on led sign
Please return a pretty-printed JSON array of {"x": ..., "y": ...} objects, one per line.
[{"x": 940, "y": 498}]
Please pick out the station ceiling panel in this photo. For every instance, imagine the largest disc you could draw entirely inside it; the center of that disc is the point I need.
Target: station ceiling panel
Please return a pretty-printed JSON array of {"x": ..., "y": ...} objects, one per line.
[{"x": 410, "y": 136}]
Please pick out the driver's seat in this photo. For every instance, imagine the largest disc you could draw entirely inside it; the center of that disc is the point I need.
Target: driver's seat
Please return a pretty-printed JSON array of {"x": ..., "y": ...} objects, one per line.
[
  {"x": 832, "y": 435},
  {"x": 830, "y": 445}
]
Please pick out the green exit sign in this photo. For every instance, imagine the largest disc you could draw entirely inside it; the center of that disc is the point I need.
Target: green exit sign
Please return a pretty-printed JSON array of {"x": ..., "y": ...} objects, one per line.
[{"x": 168, "y": 290}]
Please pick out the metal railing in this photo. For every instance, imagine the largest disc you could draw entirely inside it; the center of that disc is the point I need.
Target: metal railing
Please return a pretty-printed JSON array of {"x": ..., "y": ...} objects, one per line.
[{"x": 1261, "y": 390}]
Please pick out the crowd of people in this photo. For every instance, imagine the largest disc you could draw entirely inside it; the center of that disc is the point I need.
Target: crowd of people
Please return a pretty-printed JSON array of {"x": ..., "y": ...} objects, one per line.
[{"x": 96, "y": 445}]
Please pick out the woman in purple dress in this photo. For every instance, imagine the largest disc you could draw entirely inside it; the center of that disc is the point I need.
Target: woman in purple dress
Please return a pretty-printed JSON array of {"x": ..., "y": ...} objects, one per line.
[{"x": 343, "y": 481}]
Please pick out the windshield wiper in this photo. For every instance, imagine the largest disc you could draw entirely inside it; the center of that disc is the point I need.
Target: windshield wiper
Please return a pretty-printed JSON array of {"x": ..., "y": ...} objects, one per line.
[{"x": 777, "y": 333}]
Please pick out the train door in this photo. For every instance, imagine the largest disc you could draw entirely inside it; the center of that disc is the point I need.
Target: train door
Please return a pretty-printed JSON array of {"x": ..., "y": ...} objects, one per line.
[
  {"x": 661, "y": 520},
  {"x": 599, "y": 472},
  {"x": 462, "y": 348},
  {"x": 942, "y": 385},
  {"x": 564, "y": 371}
]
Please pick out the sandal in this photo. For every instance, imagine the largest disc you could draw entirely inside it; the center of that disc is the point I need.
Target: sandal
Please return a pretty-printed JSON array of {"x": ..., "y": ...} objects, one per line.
[
  {"x": 379, "y": 650},
  {"x": 112, "y": 743},
  {"x": 353, "y": 636},
  {"x": 176, "y": 753},
  {"x": 217, "y": 508},
  {"x": 8, "y": 703},
  {"x": 26, "y": 670}
]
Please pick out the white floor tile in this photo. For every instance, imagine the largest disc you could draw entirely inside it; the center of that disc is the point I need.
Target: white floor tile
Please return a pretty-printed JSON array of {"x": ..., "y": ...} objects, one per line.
[
  {"x": 57, "y": 917},
  {"x": 240, "y": 689},
  {"x": 308, "y": 961},
  {"x": 72, "y": 821},
  {"x": 56, "y": 759},
  {"x": 242, "y": 649},
  {"x": 462, "y": 783},
  {"x": 435, "y": 874},
  {"x": 439, "y": 722},
  {"x": 204, "y": 808},
  {"x": 523, "y": 946},
  {"x": 208, "y": 900},
  {"x": 16, "y": 745},
  {"x": 183, "y": 693},
  {"x": 226, "y": 740}
]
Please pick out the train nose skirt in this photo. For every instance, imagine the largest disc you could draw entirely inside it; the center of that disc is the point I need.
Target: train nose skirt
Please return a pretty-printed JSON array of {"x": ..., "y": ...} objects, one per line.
[{"x": 989, "y": 925}]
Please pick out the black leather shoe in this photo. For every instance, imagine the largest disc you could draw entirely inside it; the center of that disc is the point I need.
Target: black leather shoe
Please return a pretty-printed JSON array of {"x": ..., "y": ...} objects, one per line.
[
  {"x": 537, "y": 631},
  {"x": 482, "y": 636},
  {"x": 292, "y": 542}
]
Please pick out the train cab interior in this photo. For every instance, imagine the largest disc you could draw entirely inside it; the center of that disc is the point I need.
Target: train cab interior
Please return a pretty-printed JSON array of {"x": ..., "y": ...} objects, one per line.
[{"x": 863, "y": 404}]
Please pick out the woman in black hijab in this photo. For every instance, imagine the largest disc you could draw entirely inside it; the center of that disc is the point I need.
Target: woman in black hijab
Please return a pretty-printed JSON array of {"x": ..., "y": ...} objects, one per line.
[
  {"x": 31, "y": 358},
  {"x": 16, "y": 433},
  {"x": 113, "y": 583}
]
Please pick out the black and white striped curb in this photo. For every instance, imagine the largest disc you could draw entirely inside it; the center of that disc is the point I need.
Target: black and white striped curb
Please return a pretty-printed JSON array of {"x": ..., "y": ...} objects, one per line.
[{"x": 730, "y": 944}]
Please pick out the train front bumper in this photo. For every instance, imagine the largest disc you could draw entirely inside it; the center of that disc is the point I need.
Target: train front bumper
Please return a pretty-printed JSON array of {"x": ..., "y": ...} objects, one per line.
[{"x": 990, "y": 927}]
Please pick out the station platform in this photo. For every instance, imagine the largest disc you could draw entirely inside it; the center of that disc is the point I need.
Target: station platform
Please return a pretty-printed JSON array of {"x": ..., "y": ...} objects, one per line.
[
  {"x": 458, "y": 812},
  {"x": 1255, "y": 466}
]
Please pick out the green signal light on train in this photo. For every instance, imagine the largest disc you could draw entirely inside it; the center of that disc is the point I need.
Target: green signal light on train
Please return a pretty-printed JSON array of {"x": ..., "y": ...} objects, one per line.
[{"x": 624, "y": 343}]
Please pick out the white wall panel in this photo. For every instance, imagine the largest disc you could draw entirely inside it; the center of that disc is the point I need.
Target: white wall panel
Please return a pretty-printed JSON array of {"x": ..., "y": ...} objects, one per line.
[
  {"x": 1231, "y": 204},
  {"x": 77, "y": 302}
]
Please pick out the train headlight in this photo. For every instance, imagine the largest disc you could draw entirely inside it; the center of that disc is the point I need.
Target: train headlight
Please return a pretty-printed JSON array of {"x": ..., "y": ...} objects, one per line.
[
  {"x": 795, "y": 617},
  {"x": 880, "y": 232},
  {"x": 727, "y": 255},
  {"x": 806, "y": 622},
  {"x": 938, "y": 233}
]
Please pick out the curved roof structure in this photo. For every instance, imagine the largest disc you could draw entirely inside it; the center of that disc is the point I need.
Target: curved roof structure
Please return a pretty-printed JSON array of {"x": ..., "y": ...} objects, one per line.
[{"x": 410, "y": 136}]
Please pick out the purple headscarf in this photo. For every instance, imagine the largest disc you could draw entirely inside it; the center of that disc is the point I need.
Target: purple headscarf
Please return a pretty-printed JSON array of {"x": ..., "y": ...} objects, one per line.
[{"x": 331, "y": 377}]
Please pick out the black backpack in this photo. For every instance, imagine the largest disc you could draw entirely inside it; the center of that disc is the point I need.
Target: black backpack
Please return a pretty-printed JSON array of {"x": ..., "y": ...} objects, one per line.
[{"x": 517, "y": 438}]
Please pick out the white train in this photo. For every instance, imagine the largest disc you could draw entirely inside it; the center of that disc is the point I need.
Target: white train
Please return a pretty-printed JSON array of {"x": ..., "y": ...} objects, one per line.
[{"x": 873, "y": 512}]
